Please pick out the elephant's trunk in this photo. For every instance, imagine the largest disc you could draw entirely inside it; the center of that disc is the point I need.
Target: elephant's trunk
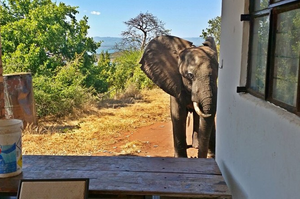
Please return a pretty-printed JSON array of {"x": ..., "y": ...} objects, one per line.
[
  {"x": 205, "y": 106},
  {"x": 205, "y": 101}
]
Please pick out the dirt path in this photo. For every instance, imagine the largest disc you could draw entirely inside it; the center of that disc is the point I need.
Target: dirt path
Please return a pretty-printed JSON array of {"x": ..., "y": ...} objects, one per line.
[
  {"x": 151, "y": 141},
  {"x": 158, "y": 138}
]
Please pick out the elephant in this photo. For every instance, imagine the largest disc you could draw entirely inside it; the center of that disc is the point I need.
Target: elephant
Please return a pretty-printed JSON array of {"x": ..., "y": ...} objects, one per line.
[{"x": 189, "y": 75}]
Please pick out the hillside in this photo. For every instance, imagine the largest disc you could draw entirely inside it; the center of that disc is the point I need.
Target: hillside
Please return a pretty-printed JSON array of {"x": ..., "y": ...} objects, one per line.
[{"x": 109, "y": 42}]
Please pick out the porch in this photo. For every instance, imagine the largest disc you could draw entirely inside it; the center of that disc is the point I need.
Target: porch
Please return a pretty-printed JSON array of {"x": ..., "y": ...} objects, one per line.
[{"x": 127, "y": 176}]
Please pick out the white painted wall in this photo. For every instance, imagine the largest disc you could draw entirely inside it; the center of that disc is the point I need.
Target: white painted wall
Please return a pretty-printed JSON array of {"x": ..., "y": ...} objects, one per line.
[{"x": 258, "y": 144}]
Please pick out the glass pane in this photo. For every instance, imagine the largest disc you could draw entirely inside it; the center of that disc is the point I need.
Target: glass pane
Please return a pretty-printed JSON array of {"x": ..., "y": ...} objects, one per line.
[
  {"x": 259, "y": 54},
  {"x": 260, "y": 4},
  {"x": 287, "y": 57}
]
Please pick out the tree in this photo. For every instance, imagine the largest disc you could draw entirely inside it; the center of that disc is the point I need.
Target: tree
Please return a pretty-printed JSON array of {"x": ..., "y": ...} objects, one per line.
[
  {"x": 105, "y": 71},
  {"x": 125, "y": 65},
  {"x": 141, "y": 30},
  {"x": 40, "y": 35},
  {"x": 214, "y": 30},
  {"x": 46, "y": 39}
]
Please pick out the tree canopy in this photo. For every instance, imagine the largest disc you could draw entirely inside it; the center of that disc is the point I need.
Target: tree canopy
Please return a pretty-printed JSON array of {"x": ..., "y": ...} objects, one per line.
[
  {"x": 140, "y": 30},
  {"x": 214, "y": 29},
  {"x": 40, "y": 35},
  {"x": 46, "y": 39}
]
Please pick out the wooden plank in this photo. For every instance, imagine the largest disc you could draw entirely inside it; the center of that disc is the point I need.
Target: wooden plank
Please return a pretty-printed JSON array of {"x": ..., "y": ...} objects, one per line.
[
  {"x": 138, "y": 183},
  {"x": 180, "y": 177},
  {"x": 124, "y": 163}
]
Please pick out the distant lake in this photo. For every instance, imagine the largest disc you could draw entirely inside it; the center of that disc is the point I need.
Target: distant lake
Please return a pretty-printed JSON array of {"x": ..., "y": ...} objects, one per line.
[{"x": 109, "y": 43}]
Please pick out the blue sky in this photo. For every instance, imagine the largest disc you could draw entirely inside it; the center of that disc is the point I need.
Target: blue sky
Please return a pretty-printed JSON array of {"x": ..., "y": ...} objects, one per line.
[{"x": 185, "y": 18}]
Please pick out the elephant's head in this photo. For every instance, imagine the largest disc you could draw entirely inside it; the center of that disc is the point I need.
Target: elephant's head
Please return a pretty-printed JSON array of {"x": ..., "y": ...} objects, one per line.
[
  {"x": 177, "y": 66},
  {"x": 198, "y": 67}
]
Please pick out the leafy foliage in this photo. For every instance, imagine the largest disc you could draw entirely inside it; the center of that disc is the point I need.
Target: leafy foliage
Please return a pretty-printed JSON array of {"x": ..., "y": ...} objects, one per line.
[
  {"x": 103, "y": 72},
  {"x": 39, "y": 36},
  {"x": 60, "y": 94},
  {"x": 123, "y": 73},
  {"x": 214, "y": 30},
  {"x": 46, "y": 39},
  {"x": 128, "y": 71}
]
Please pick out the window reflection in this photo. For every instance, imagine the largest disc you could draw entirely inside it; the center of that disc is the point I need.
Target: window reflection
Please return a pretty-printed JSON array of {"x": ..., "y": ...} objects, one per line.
[
  {"x": 259, "y": 53},
  {"x": 261, "y": 4},
  {"x": 286, "y": 65}
]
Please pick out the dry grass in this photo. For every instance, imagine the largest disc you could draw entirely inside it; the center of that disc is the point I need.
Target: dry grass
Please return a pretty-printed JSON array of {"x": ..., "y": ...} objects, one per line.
[
  {"x": 97, "y": 128},
  {"x": 133, "y": 147}
]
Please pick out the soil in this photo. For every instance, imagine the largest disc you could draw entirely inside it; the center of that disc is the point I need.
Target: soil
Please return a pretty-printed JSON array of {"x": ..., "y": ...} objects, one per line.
[{"x": 153, "y": 141}]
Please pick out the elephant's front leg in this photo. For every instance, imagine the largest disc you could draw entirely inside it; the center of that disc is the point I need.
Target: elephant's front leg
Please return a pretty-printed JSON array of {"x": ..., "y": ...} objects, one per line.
[
  {"x": 178, "y": 116},
  {"x": 196, "y": 135},
  {"x": 212, "y": 141},
  {"x": 206, "y": 127}
]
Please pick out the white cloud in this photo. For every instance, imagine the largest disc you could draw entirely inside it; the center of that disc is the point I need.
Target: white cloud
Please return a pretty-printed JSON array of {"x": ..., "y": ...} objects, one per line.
[{"x": 95, "y": 13}]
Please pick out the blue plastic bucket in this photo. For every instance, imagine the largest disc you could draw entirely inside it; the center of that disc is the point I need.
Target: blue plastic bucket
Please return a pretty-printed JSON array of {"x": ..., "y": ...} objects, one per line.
[{"x": 10, "y": 147}]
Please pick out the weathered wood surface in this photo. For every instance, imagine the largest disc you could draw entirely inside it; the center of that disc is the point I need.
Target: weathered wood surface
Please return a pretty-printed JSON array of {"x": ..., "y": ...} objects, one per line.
[{"x": 128, "y": 175}]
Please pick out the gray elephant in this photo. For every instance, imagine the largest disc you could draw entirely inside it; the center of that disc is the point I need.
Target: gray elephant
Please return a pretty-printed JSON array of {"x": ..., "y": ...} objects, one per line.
[{"x": 189, "y": 74}]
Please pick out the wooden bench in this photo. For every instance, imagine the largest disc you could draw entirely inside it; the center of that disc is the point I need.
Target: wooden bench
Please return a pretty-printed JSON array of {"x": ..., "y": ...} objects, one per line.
[{"x": 127, "y": 176}]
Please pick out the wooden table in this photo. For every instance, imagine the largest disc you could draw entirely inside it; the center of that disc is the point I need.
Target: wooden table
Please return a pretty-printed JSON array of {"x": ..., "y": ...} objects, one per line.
[{"x": 127, "y": 175}]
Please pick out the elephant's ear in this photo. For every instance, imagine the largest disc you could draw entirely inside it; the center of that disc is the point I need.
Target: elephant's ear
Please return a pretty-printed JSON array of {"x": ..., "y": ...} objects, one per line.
[
  {"x": 160, "y": 62},
  {"x": 210, "y": 42}
]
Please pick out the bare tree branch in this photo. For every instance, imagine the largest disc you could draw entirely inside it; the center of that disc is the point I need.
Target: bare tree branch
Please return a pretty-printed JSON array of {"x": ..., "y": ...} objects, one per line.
[{"x": 141, "y": 30}]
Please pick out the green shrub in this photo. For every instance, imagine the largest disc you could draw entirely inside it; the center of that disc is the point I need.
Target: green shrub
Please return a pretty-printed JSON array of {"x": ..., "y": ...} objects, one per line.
[
  {"x": 140, "y": 79},
  {"x": 60, "y": 94},
  {"x": 127, "y": 72}
]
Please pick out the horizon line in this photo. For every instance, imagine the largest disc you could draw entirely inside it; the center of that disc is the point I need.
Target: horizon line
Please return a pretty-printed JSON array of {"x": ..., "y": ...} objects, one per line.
[{"x": 172, "y": 35}]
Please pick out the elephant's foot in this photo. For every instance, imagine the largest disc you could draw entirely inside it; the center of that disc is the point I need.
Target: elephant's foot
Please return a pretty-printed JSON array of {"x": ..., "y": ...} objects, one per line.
[
  {"x": 180, "y": 153},
  {"x": 211, "y": 154},
  {"x": 202, "y": 153}
]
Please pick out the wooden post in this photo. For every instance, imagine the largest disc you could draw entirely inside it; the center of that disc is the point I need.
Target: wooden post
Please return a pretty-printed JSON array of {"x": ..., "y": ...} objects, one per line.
[{"x": 2, "y": 111}]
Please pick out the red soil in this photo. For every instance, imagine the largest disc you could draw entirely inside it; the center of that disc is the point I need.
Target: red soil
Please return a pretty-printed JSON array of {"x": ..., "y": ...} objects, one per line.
[{"x": 157, "y": 139}]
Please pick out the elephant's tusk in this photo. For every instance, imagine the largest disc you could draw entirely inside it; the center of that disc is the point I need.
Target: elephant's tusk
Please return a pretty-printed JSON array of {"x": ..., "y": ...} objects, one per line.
[{"x": 199, "y": 112}]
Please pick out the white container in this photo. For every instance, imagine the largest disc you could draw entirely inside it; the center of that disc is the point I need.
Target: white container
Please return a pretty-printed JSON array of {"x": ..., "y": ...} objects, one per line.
[{"x": 10, "y": 147}]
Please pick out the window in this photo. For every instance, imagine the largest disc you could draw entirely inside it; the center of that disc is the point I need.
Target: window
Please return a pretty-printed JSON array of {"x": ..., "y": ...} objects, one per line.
[{"x": 274, "y": 52}]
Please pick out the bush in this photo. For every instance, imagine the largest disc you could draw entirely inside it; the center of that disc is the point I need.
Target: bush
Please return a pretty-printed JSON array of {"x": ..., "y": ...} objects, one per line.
[
  {"x": 60, "y": 94},
  {"x": 127, "y": 72}
]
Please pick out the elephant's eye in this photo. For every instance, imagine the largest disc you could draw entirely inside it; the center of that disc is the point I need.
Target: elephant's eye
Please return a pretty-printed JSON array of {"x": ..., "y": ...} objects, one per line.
[{"x": 190, "y": 76}]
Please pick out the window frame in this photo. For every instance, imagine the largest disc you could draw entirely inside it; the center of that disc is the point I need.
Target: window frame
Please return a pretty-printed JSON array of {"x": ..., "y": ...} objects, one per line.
[{"x": 272, "y": 11}]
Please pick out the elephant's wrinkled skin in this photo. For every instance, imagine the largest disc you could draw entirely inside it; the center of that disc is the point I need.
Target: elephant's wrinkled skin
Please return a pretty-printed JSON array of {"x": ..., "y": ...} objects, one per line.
[{"x": 189, "y": 74}]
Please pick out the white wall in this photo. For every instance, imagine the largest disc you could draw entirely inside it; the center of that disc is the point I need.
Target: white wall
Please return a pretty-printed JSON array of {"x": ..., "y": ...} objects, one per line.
[{"x": 258, "y": 144}]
